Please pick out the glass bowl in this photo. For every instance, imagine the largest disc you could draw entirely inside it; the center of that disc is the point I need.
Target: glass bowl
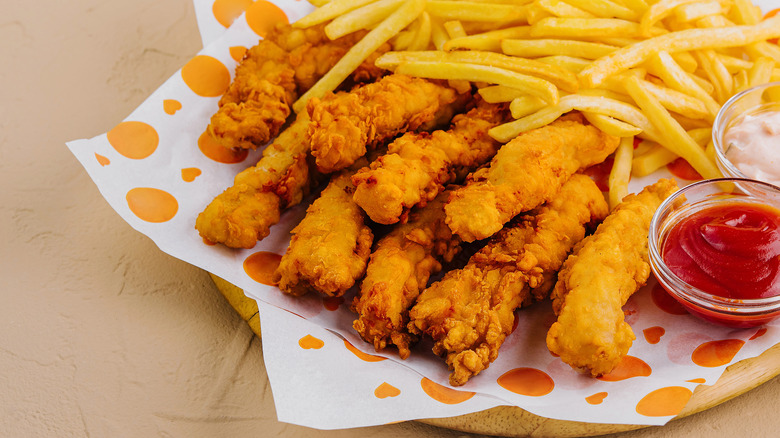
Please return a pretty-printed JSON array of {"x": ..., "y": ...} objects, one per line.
[
  {"x": 732, "y": 312},
  {"x": 736, "y": 160}
]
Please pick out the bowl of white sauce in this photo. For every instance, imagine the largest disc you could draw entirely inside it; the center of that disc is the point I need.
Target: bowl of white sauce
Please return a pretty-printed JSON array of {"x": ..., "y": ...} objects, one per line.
[{"x": 746, "y": 134}]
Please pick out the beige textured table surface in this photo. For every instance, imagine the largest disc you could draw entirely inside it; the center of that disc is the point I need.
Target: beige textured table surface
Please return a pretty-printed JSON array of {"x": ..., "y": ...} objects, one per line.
[{"x": 101, "y": 334}]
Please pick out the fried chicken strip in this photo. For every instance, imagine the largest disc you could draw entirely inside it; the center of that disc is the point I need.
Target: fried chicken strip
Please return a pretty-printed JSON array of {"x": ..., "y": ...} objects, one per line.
[
  {"x": 269, "y": 79},
  {"x": 399, "y": 268},
  {"x": 244, "y": 212},
  {"x": 418, "y": 166},
  {"x": 345, "y": 125},
  {"x": 525, "y": 172},
  {"x": 470, "y": 312},
  {"x": 329, "y": 248},
  {"x": 604, "y": 270}
]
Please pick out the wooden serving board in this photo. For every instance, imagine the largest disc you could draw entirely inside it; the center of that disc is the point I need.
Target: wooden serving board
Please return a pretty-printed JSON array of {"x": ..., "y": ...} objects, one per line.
[{"x": 515, "y": 422}]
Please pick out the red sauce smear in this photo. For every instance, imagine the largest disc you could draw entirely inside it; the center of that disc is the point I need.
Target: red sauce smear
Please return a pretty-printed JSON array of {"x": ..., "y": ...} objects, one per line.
[{"x": 730, "y": 250}]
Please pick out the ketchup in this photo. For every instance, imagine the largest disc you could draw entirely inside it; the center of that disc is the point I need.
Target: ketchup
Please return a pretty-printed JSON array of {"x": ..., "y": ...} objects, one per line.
[{"x": 730, "y": 250}]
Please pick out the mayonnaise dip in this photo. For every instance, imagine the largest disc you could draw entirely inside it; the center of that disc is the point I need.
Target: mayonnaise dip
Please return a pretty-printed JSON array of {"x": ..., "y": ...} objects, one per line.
[{"x": 753, "y": 146}]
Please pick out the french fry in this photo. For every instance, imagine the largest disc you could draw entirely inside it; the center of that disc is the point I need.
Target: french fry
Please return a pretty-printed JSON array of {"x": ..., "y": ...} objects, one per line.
[
  {"x": 741, "y": 81},
  {"x": 472, "y": 72},
  {"x": 561, "y": 78},
  {"x": 674, "y": 136},
  {"x": 423, "y": 35},
  {"x": 596, "y": 104},
  {"x": 522, "y": 106},
  {"x": 691, "y": 39},
  {"x": 620, "y": 174},
  {"x": 329, "y": 11},
  {"x": 659, "y": 11},
  {"x": 717, "y": 73},
  {"x": 665, "y": 67},
  {"x": 361, "y": 18},
  {"x": 489, "y": 41},
  {"x": 547, "y": 47},
  {"x": 678, "y": 102},
  {"x": 438, "y": 33},
  {"x": 402, "y": 17},
  {"x": 500, "y": 93},
  {"x": 561, "y": 9},
  {"x": 610, "y": 125},
  {"x": 761, "y": 71},
  {"x": 455, "y": 29},
  {"x": 534, "y": 13},
  {"x": 475, "y": 11},
  {"x": 745, "y": 12},
  {"x": 652, "y": 160},
  {"x": 570, "y": 63},
  {"x": 589, "y": 27},
  {"x": 695, "y": 11},
  {"x": 605, "y": 8}
]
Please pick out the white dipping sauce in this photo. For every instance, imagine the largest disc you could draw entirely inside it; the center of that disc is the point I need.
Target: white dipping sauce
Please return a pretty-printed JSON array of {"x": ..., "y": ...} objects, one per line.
[{"x": 753, "y": 146}]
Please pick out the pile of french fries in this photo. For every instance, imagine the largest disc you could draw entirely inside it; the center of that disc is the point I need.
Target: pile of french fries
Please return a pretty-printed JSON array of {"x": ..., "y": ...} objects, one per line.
[{"x": 654, "y": 69}]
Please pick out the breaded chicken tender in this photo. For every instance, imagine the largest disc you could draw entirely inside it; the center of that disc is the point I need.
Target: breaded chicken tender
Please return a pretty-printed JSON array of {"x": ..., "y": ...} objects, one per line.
[
  {"x": 604, "y": 270},
  {"x": 470, "y": 312},
  {"x": 244, "y": 213},
  {"x": 345, "y": 125},
  {"x": 525, "y": 173},
  {"x": 418, "y": 166},
  {"x": 329, "y": 248},
  {"x": 271, "y": 76},
  {"x": 399, "y": 268}
]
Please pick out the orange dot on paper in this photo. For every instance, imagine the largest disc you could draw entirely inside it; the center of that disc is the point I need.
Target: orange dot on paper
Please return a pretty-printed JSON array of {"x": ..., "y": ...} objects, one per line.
[
  {"x": 262, "y": 16},
  {"x": 136, "y": 140},
  {"x": 664, "y": 402},
  {"x": 361, "y": 355},
  {"x": 716, "y": 353},
  {"x": 152, "y": 205},
  {"x": 699, "y": 380},
  {"x": 237, "y": 52},
  {"x": 261, "y": 266},
  {"x": 596, "y": 398},
  {"x": 190, "y": 173},
  {"x": 103, "y": 161},
  {"x": 332, "y": 303},
  {"x": 627, "y": 368},
  {"x": 653, "y": 334},
  {"x": 386, "y": 390},
  {"x": 681, "y": 169},
  {"x": 226, "y": 11},
  {"x": 666, "y": 302},
  {"x": 206, "y": 76},
  {"x": 170, "y": 106},
  {"x": 759, "y": 333},
  {"x": 219, "y": 153},
  {"x": 309, "y": 342},
  {"x": 527, "y": 381},
  {"x": 443, "y": 394}
]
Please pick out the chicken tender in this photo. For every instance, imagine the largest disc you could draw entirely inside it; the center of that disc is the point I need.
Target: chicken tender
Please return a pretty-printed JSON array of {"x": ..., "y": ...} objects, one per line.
[
  {"x": 269, "y": 79},
  {"x": 604, "y": 270},
  {"x": 344, "y": 126},
  {"x": 525, "y": 173},
  {"x": 418, "y": 166},
  {"x": 399, "y": 268},
  {"x": 329, "y": 248},
  {"x": 470, "y": 312},
  {"x": 244, "y": 213}
]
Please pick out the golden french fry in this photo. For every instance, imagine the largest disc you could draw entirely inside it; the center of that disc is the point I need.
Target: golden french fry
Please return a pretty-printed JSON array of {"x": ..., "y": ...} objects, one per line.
[
  {"x": 490, "y": 41},
  {"x": 500, "y": 93},
  {"x": 532, "y": 85},
  {"x": 761, "y": 71},
  {"x": 694, "y": 11},
  {"x": 524, "y": 105},
  {"x": 741, "y": 81},
  {"x": 621, "y": 171},
  {"x": 745, "y": 12},
  {"x": 570, "y": 63},
  {"x": 659, "y": 11},
  {"x": 329, "y": 11},
  {"x": 534, "y": 13},
  {"x": 605, "y": 8},
  {"x": 561, "y": 9},
  {"x": 596, "y": 104},
  {"x": 589, "y": 27},
  {"x": 455, "y": 29},
  {"x": 439, "y": 34},
  {"x": 361, "y": 18},
  {"x": 652, "y": 160},
  {"x": 674, "y": 136},
  {"x": 475, "y": 11},
  {"x": 763, "y": 49},
  {"x": 679, "y": 102},
  {"x": 547, "y": 47},
  {"x": 690, "y": 39},
  {"x": 561, "y": 78},
  {"x": 717, "y": 73},
  {"x": 402, "y": 17},
  {"x": 423, "y": 35},
  {"x": 610, "y": 125}
]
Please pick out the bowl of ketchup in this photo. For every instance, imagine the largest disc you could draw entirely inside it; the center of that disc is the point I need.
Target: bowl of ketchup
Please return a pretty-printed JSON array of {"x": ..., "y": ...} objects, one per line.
[{"x": 715, "y": 247}]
